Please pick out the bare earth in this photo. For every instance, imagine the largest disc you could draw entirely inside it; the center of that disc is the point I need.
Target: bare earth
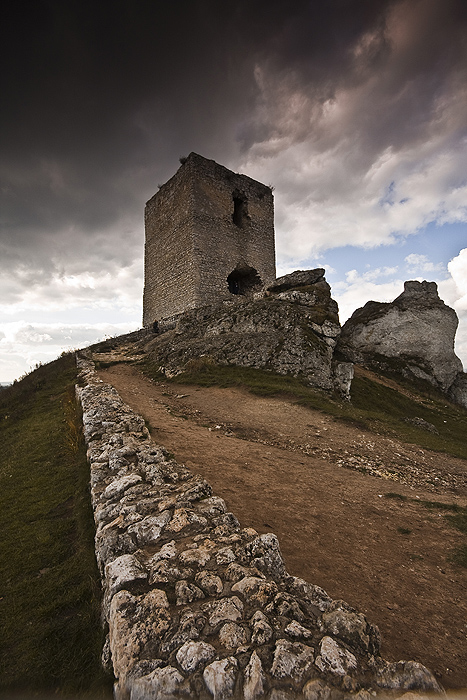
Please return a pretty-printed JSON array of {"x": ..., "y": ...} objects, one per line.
[{"x": 292, "y": 471}]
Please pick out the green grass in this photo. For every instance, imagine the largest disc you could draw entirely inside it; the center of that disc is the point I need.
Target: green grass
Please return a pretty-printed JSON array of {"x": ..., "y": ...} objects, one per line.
[
  {"x": 203, "y": 372},
  {"x": 373, "y": 406},
  {"x": 49, "y": 584}
]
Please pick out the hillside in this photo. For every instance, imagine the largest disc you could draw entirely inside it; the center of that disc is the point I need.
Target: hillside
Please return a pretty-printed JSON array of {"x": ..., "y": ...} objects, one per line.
[
  {"x": 50, "y": 591},
  {"x": 368, "y": 499}
]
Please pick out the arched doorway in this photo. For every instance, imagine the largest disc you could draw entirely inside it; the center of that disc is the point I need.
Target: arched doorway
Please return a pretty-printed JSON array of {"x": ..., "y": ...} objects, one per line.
[{"x": 244, "y": 281}]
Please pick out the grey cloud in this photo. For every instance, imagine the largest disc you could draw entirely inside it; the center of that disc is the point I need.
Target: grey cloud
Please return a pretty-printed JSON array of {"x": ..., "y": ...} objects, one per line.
[
  {"x": 102, "y": 98},
  {"x": 405, "y": 65}
]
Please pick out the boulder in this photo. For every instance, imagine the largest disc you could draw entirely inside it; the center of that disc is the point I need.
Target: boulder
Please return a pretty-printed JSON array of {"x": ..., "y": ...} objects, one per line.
[
  {"x": 293, "y": 330},
  {"x": 413, "y": 336},
  {"x": 458, "y": 390},
  {"x": 299, "y": 278}
]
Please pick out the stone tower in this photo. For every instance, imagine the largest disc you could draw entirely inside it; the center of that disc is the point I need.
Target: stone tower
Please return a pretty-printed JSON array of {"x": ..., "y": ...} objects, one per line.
[{"x": 209, "y": 236}]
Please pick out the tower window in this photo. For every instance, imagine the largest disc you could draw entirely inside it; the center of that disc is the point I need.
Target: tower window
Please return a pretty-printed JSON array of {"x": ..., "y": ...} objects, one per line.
[{"x": 240, "y": 213}]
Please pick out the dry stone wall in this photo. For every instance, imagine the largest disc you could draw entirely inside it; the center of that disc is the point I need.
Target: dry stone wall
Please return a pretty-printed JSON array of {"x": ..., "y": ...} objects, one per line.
[{"x": 197, "y": 606}]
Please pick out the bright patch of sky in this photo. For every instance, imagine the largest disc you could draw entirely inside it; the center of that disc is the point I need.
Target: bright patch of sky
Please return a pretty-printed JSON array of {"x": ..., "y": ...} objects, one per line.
[
  {"x": 358, "y": 275},
  {"x": 36, "y": 328}
]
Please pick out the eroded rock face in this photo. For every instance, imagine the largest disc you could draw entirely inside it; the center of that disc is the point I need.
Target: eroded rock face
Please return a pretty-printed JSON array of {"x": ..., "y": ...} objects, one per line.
[
  {"x": 299, "y": 278},
  {"x": 413, "y": 335},
  {"x": 458, "y": 390},
  {"x": 198, "y": 607},
  {"x": 293, "y": 330}
]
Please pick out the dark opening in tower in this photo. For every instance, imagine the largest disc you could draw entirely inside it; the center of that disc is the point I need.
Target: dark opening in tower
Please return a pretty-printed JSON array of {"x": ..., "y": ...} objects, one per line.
[
  {"x": 240, "y": 213},
  {"x": 244, "y": 281}
]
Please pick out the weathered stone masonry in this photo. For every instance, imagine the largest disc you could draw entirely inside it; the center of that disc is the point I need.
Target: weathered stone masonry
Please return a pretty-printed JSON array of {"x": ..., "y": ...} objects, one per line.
[
  {"x": 197, "y": 606},
  {"x": 209, "y": 236}
]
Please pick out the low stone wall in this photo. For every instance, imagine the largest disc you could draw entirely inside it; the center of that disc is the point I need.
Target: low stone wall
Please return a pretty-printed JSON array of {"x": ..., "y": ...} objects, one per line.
[{"x": 197, "y": 606}]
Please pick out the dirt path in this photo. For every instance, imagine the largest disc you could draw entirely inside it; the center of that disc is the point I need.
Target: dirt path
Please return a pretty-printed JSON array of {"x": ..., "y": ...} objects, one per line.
[{"x": 280, "y": 468}]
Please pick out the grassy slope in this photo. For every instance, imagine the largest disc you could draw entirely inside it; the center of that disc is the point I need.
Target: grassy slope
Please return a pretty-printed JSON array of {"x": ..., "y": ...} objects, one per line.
[
  {"x": 49, "y": 585},
  {"x": 373, "y": 405}
]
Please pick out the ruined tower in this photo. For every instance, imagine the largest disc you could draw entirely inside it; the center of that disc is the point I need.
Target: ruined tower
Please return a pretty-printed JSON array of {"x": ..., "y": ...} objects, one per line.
[{"x": 209, "y": 237}]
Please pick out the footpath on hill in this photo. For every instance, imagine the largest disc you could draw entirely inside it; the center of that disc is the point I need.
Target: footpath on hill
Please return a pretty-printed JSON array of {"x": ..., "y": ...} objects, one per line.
[{"x": 368, "y": 540}]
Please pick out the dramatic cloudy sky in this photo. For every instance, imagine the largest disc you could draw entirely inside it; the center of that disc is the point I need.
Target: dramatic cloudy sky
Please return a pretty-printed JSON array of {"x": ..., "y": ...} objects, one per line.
[{"x": 354, "y": 110}]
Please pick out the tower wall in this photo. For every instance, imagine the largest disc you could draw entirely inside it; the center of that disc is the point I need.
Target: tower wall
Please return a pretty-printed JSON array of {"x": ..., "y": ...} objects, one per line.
[{"x": 204, "y": 225}]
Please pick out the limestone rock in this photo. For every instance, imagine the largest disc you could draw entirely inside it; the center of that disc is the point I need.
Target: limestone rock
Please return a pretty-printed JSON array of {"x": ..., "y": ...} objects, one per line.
[
  {"x": 232, "y": 636},
  {"x": 313, "y": 594},
  {"x": 296, "y": 631},
  {"x": 187, "y": 592},
  {"x": 256, "y": 589},
  {"x": 123, "y": 571},
  {"x": 198, "y": 557},
  {"x": 165, "y": 571},
  {"x": 285, "y": 605},
  {"x": 110, "y": 544},
  {"x": 192, "y": 655},
  {"x": 343, "y": 373},
  {"x": 335, "y": 658},
  {"x": 344, "y": 623},
  {"x": 133, "y": 623},
  {"x": 184, "y": 519},
  {"x": 316, "y": 690},
  {"x": 293, "y": 331},
  {"x": 458, "y": 390},
  {"x": 292, "y": 660},
  {"x": 220, "y": 678},
  {"x": 148, "y": 530},
  {"x": 266, "y": 555},
  {"x": 227, "y": 609},
  {"x": 167, "y": 551},
  {"x": 406, "y": 675},
  {"x": 225, "y": 556},
  {"x": 299, "y": 278},
  {"x": 189, "y": 628},
  {"x": 413, "y": 335},
  {"x": 163, "y": 683},
  {"x": 117, "y": 487},
  {"x": 210, "y": 583},
  {"x": 212, "y": 506},
  {"x": 262, "y": 630},
  {"x": 254, "y": 678}
]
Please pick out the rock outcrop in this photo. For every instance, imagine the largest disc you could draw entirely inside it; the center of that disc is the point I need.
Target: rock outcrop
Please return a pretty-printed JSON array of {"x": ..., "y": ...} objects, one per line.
[
  {"x": 413, "y": 335},
  {"x": 198, "y": 607},
  {"x": 293, "y": 330},
  {"x": 458, "y": 390}
]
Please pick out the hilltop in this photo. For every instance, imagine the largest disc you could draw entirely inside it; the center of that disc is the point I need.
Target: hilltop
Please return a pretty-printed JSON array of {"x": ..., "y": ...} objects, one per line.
[{"x": 363, "y": 478}]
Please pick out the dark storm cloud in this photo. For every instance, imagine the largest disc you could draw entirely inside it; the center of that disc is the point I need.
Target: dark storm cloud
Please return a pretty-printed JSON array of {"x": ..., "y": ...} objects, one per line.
[
  {"x": 100, "y": 99},
  {"x": 407, "y": 57}
]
